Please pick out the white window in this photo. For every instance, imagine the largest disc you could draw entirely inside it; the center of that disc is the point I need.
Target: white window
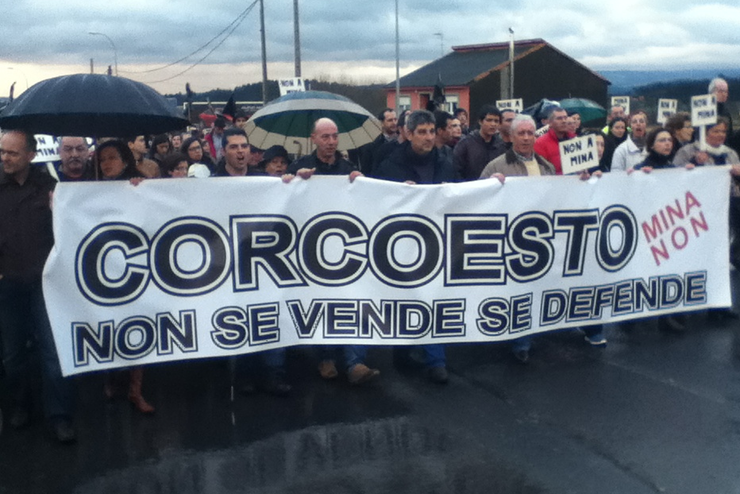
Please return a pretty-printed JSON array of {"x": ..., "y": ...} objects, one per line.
[
  {"x": 404, "y": 103},
  {"x": 452, "y": 101}
]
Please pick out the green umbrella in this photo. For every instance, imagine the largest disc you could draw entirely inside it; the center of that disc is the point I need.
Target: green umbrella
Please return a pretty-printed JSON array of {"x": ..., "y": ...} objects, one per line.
[
  {"x": 288, "y": 121},
  {"x": 587, "y": 109}
]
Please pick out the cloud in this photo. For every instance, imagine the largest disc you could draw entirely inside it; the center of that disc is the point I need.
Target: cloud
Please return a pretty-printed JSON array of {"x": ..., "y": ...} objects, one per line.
[{"x": 660, "y": 34}]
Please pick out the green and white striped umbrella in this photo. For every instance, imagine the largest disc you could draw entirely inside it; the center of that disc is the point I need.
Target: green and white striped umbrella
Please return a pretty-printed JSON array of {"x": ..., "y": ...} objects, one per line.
[{"x": 288, "y": 121}]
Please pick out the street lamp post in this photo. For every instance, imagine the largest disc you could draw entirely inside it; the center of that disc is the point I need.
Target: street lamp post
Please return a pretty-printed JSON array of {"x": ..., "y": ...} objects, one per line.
[
  {"x": 22, "y": 73},
  {"x": 296, "y": 39},
  {"x": 115, "y": 50},
  {"x": 264, "y": 52},
  {"x": 441, "y": 44}
]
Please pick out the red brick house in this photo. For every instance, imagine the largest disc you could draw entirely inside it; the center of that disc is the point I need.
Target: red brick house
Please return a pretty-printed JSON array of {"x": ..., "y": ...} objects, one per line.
[{"x": 474, "y": 75}]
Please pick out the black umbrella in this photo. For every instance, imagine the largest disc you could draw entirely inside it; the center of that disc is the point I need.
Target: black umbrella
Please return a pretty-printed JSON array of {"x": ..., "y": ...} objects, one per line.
[
  {"x": 91, "y": 105},
  {"x": 538, "y": 111}
]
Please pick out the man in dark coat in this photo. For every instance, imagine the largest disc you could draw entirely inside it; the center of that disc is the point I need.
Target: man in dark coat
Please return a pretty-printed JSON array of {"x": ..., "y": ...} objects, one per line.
[
  {"x": 721, "y": 90},
  {"x": 325, "y": 160},
  {"x": 389, "y": 124},
  {"x": 443, "y": 129},
  {"x": 269, "y": 363},
  {"x": 475, "y": 151},
  {"x": 419, "y": 161},
  {"x": 386, "y": 149},
  {"x": 26, "y": 239},
  {"x": 74, "y": 154}
]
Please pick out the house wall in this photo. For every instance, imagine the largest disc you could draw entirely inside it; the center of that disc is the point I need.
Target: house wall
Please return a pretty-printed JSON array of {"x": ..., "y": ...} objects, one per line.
[
  {"x": 419, "y": 96},
  {"x": 545, "y": 73},
  {"x": 484, "y": 92}
]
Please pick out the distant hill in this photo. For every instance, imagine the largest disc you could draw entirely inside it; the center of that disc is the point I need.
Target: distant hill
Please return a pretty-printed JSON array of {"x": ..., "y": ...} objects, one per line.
[
  {"x": 371, "y": 97},
  {"x": 645, "y": 97},
  {"x": 625, "y": 81}
]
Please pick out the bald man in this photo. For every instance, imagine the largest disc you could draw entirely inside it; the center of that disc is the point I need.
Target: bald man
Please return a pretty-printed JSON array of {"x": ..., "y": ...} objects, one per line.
[{"x": 325, "y": 160}]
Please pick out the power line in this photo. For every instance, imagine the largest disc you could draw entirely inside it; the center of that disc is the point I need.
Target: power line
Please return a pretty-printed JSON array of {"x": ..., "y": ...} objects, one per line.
[
  {"x": 244, "y": 16},
  {"x": 238, "y": 20}
]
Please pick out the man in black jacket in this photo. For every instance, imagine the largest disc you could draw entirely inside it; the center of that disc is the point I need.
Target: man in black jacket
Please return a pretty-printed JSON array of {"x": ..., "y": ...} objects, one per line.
[
  {"x": 475, "y": 151},
  {"x": 418, "y": 161},
  {"x": 325, "y": 160},
  {"x": 74, "y": 154},
  {"x": 27, "y": 238},
  {"x": 389, "y": 125}
]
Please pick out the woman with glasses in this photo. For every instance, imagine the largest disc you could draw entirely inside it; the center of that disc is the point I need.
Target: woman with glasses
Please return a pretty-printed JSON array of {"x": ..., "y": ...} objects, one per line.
[{"x": 193, "y": 149}]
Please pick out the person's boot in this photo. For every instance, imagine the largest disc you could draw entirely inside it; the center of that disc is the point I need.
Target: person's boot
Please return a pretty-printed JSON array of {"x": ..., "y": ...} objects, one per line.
[
  {"x": 134, "y": 391},
  {"x": 328, "y": 369},
  {"x": 109, "y": 387}
]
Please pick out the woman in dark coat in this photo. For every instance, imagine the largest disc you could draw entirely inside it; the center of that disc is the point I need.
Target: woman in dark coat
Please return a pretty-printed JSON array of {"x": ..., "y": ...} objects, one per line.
[
  {"x": 616, "y": 135},
  {"x": 194, "y": 150},
  {"x": 161, "y": 147},
  {"x": 679, "y": 125},
  {"x": 115, "y": 161},
  {"x": 659, "y": 143}
]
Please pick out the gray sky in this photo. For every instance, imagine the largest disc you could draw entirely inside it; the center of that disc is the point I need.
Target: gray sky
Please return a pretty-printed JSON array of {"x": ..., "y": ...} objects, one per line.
[{"x": 348, "y": 39}]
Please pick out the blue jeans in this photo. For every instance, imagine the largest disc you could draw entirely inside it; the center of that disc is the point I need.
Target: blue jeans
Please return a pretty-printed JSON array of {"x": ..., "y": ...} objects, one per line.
[
  {"x": 522, "y": 344},
  {"x": 351, "y": 354},
  {"x": 266, "y": 361},
  {"x": 525, "y": 342},
  {"x": 434, "y": 355},
  {"x": 593, "y": 331},
  {"x": 23, "y": 319}
]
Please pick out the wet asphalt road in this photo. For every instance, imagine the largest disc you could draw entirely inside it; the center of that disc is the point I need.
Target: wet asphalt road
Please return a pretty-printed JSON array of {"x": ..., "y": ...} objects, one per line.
[{"x": 651, "y": 413}]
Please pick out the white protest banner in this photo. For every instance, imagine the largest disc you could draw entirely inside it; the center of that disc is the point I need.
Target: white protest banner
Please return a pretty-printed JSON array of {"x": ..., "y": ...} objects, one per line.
[
  {"x": 180, "y": 268},
  {"x": 666, "y": 108},
  {"x": 578, "y": 154},
  {"x": 510, "y": 104},
  {"x": 292, "y": 85},
  {"x": 703, "y": 110},
  {"x": 623, "y": 101}
]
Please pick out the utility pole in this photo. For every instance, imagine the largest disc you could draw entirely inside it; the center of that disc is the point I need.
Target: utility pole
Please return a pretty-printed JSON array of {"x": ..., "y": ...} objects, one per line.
[
  {"x": 398, "y": 66},
  {"x": 511, "y": 64},
  {"x": 297, "y": 39},
  {"x": 264, "y": 53}
]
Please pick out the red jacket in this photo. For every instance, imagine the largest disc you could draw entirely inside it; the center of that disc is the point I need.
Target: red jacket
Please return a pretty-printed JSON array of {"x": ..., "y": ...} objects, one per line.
[{"x": 548, "y": 147}]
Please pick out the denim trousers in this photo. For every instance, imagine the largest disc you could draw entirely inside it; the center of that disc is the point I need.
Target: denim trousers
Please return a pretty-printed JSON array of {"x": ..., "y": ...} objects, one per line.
[
  {"x": 27, "y": 336},
  {"x": 349, "y": 355}
]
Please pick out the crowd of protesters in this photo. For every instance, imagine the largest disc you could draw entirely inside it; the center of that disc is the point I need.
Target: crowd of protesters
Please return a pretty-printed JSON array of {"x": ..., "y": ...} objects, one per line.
[{"x": 416, "y": 147}]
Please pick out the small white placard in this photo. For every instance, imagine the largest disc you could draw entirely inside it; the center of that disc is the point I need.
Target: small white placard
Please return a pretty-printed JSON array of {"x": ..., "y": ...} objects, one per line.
[
  {"x": 666, "y": 108},
  {"x": 510, "y": 104},
  {"x": 292, "y": 85},
  {"x": 47, "y": 149},
  {"x": 703, "y": 110},
  {"x": 623, "y": 101},
  {"x": 578, "y": 154}
]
